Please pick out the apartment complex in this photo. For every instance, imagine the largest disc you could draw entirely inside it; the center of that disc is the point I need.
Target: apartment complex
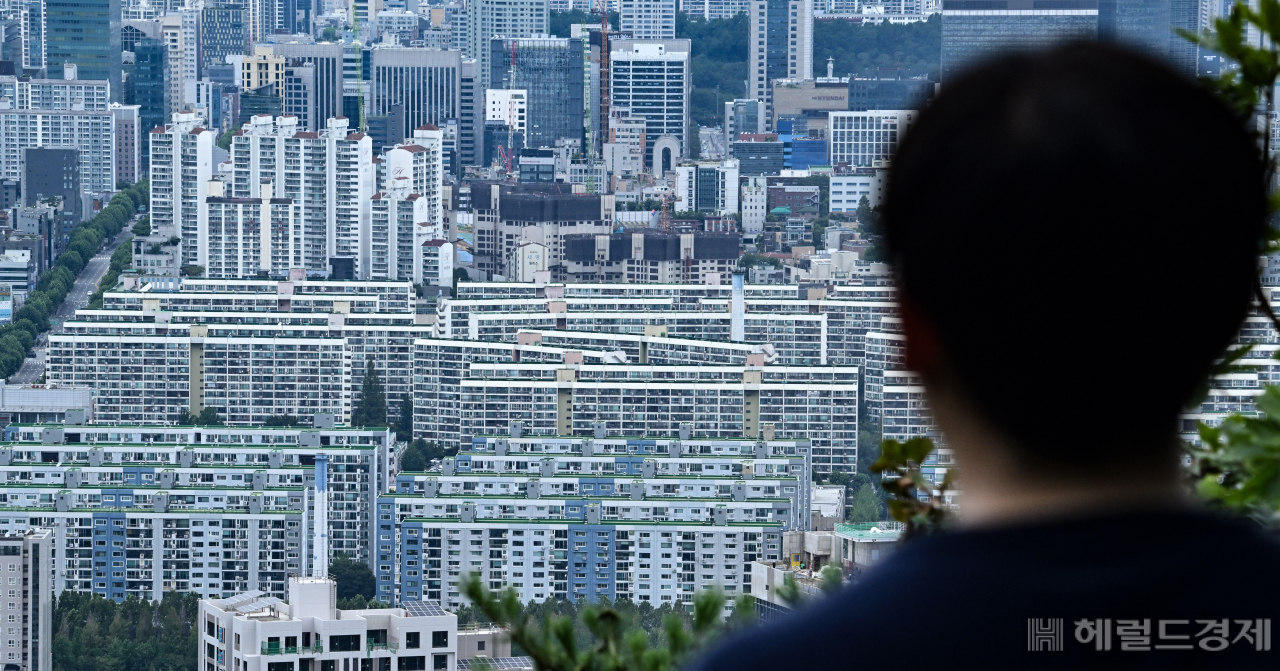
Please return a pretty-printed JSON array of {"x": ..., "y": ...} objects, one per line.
[
  {"x": 59, "y": 112},
  {"x": 145, "y": 509},
  {"x": 648, "y": 519}
]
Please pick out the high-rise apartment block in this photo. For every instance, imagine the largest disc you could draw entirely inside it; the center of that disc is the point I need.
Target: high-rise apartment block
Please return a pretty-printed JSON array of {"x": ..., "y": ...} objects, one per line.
[
  {"x": 26, "y": 558},
  {"x": 652, "y": 519},
  {"x": 781, "y": 46},
  {"x": 648, "y": 19},
  {"x": 59, "y": 112},
  {"x": 144, "y": 509},
  {"x": 181, "y": 166},
  {"x": 330, "y": 175},
  {"x": 128, "y": 140}
]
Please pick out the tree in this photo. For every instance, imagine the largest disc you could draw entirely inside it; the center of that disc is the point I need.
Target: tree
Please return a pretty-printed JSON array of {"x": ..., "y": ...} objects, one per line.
[
  {"x": 224, "y": 140},
  {"x": 414, "y": 458},
  {"x": 206, "y": 417},
  {"x": 753, "y": 260},
  {"x": 459, "y": 275},
  {"x": 354, "y": 578},
  {"x": 866, "y": 506},
  {"x": 193, "y": 271},
  {"x": 330, "y": 34},
  {"x": 143, "y": 227},
  {"x": 695, "y": 141},
  {"x": 282, "y": 420},
  {"x": 372, "y": 409},
  {"x": 404, "y": 423}
]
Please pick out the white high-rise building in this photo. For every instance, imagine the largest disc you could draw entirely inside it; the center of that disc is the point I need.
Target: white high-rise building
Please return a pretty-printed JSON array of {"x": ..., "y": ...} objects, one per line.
[
  {"x": 28, "y": 561},
  {"x": 330, "y": 174},
  {"x": 715, "y": 9},
  {"x": 781, "y": 44},
  {"x": 651, "y": 78},
  {"x": 755, "y": 200},
  {"x": 648, "y": 19},
  {"x": 242, "y": 237},
  {"x": 708, "y": 186},
  {"x": 508, "y": 18},
  {"x": 181, "y": 166},
  {"x": 59, "y": 112},
  {"x": 867, "y": 139}
]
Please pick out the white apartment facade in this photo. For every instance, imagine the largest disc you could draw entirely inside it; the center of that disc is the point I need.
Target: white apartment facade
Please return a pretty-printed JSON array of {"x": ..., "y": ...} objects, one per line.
[
  {"x": 708, "y": 186},
  {"x": 848, "y": 189},
  {"x": 181, "y": 167},
  {"x": 648, "y": 19}
]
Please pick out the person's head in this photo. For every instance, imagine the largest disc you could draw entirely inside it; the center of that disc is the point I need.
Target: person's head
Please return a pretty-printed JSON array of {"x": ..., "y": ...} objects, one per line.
[{"x": 1076, "y": 234}]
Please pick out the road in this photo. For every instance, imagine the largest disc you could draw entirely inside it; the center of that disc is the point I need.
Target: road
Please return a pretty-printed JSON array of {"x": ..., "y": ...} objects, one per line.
[
  {"x": 77, "y": 298},
  {"x": 712, "y": 142}
]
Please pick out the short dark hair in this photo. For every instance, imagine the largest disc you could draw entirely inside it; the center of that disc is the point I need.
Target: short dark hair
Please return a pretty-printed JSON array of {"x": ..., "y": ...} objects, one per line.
[{"x": 1080, "y": 227}]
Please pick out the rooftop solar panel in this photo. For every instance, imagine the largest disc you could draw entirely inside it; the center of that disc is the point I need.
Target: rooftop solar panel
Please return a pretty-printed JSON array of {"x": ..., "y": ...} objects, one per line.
[
  {"x": 231, "y": 602},
  {"x": 508, "y": 663},
  {"x": 423, "y": 608},
  {"x": 258, "y": 605}
]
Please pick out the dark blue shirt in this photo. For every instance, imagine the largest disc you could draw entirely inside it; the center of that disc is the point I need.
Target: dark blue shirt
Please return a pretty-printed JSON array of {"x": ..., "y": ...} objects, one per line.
[{"x": 1160, "y": 590}]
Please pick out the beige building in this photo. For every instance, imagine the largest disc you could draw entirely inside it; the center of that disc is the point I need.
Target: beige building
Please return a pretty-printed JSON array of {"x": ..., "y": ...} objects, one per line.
[
  {"x": 810, "y": 98},
  {"x": 261, "y": 68}
]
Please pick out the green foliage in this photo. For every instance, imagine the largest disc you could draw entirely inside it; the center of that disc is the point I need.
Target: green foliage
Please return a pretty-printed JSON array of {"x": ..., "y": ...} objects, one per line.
[
  {"x": 753, "y": 260},
  {"x": 865, "y": 506},
  {"x": 914, "y": 501},
  {"x": 560, "y": 21},
  {"x": 404, "y": 422},
  {"x": 91, "y": 633},
  {"x": 224, "y": 140},
  {"x": 914, "y": 49},
  {"x": 143, "y": 227},
  {"x": 820, "y": 232},
  {"x": 717, "y": 66},
  {"x": 354, "y": 578},
  {"x": 358, "y": 602},
  {"x": 121, "y": 259},
  {"x": 695, "y": 141},
  {"x": 372, "y": 409},
  {"x": 207, "y": 417},
  {"x": 330, "y": 35},
  {"x": 419, "y": 454},
  {"x": 562, "y": 636},
  {"x": 192, "y": 271},
  {"x": 282, "y": 420}
]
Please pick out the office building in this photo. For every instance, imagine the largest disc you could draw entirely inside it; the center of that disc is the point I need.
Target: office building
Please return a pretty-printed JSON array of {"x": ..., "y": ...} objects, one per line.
[
  {"x": 34, "y": 19},
  {"x": 648, "y": 19},
  {"x": 310, "y": 631},
  {"x": 54, "y": 172},
  {"x": 222, "y": 33},
  {"x": 549, "y": 71},
  {"x": 742, "y": 116},
  {"x": 867, "y": 139},
  {"x": 970, "y": 35},
  {"x": 1150, "y": 26},
  {"x": 58, "y": 113},
  {"x": 785, "y": 27},
  {"x": 329, "y": 173},
  {"x": 327, "y": 58},
  {"x": 128, "y": 137},
  {"x": 512, "y": 19},
  {"x": 759, "y": 155},
  {"x": 425, "y": 83},
  {"x": 848, "y": 189},
  {"x": 652, "y": 79},
  {"x": 85, "y": 33},
  {"x": 299, "y": 94},
  {"x": 707, "y": 186},
  {"x": 143, "y": 509},
  {"x": 731, "y": 498},
  {"x": 150, "y": 83},
  {"x": 180, "y": 168},
  {"x": 889, "y": 94}
]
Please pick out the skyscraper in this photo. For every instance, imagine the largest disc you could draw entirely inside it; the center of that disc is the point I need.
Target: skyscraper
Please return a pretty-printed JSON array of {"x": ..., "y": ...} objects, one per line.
[
  {"x": 508, "y": 18},
  {"x": 426, "y": 82},
  {"x": 976, "y": 29},
  {"x": 222, "y": 33},
  {"x": 327, "y": 59},
  {"x": 150, "y": 82},
  {"x": 86, "y": 33},
  {"x": 781, "y": 44},
  {"x": 651, "y": 78},
  {"x": 550, "y": 70},
  {"x": 181, "y": 165},
  {"x": 1150, "y": 26},
  {"x": 648, "y": 19}
]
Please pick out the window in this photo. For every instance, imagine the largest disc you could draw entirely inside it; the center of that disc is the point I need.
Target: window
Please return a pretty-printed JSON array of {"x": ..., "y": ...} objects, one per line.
[
  {"x": 344, "y": 643},
  {"x": 479, "y": 645},
  {"x": 419, "y": 663},
  {"x": 439, "y": 639},
  {"x": 413, "y": 639}
]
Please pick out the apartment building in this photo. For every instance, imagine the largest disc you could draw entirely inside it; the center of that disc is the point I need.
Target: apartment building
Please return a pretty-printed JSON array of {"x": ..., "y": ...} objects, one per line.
[
  {"x": 242, "y": 237},
  {"x": 707, "y": 186},
  {"x": 25, "y": 559},
  {"x": 867, "y": 139},
  {"x": 327, "y": 332},
  {"x": 649, "y": 255},
  {"x": 253, "y": 631},
  {"x": 884, "y": 352},
  {"x": 648, "y": 519},
  {"x": 329, "y": 174},
  {"x": 508, "y": 215},
  {"x": 212, "y": 510},
  {"x": 181, "y": 167}
]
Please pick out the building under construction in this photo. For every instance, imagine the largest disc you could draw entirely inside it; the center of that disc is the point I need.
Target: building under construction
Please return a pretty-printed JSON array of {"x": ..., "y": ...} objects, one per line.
[
  {"x": 649, "y": 256},
  {"x": 550, "y": 69}
]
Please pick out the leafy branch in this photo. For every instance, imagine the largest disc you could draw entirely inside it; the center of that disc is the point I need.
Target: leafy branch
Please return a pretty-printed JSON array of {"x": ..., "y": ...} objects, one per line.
[
  {"x": 619, "y": 644},
  {"x": 920, "y": 505}
]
